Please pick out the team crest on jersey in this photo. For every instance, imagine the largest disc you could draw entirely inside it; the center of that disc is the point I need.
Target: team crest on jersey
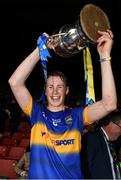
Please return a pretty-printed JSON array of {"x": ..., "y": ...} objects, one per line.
[
  {"x": 56, "y": 121},
  {"x": 68, "y": 120}
]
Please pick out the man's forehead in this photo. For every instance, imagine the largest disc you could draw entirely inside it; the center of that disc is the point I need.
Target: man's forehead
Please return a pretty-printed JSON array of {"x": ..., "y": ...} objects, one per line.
[{"x": 54, "y": 79}]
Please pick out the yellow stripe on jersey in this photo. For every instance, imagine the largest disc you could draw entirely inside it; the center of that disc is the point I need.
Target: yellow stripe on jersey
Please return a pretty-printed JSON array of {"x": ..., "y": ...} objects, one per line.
[
  {"x": 28, "y": 109},
  {"x": 86, "y": 118},
  {"x": 66, "y": 143}
]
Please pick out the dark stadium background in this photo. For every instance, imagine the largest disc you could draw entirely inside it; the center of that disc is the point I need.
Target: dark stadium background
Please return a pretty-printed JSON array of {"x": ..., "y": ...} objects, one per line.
[{"x": 21, "y": 23}]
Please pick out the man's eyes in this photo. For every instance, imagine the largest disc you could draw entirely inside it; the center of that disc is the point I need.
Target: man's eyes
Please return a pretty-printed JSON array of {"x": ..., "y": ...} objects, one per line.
[{"x": 57, "y": 87}]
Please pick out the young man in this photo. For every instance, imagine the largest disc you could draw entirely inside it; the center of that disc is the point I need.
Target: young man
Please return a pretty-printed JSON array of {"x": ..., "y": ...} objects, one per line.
[
  {"x": 99, "y": 159},
  {"x": 55, "y": 130}
]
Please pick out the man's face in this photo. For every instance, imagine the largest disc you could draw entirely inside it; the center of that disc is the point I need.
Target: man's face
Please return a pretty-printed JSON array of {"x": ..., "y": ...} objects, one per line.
[{"x": 55, "y": 92}]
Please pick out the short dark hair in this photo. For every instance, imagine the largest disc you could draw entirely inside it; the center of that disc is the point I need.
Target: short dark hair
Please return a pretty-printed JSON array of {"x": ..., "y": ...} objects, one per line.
[
  {"x": 59, "y": 74},
  {"x": 114, "y": 116}
]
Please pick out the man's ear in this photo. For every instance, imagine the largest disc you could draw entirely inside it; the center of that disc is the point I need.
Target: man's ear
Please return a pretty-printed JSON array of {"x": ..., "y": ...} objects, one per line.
[{"x": 67, "y": 90}]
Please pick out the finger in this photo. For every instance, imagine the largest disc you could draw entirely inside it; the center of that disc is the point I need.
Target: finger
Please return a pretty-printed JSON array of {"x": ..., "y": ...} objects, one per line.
[
  {"x": 110, "y": 33},
  {"x": 105, "y": 36},
  {"x": 47, "y": 35},
  {"x": 106, "y": 33},
  {"x": 102, "y": 40}
]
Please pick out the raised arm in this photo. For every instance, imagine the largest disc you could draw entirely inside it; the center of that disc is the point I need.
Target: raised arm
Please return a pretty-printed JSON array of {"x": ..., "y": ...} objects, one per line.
[
  {"x": 18, "y": 78},
  {"x": 108, "y": 102}
]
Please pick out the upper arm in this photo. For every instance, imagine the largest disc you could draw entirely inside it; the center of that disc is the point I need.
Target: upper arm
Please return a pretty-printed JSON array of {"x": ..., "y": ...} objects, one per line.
[
  {"x": 97, "y": 111},
  {"x": 23, "y": 97}
]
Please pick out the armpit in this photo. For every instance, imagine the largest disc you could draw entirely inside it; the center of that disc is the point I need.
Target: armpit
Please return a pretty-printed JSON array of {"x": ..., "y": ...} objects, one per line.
[{"x": 28, "y": 109}]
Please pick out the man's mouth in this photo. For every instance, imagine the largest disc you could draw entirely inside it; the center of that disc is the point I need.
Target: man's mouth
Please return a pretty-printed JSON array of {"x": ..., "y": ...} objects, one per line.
[{"x": 55, "y": 97}]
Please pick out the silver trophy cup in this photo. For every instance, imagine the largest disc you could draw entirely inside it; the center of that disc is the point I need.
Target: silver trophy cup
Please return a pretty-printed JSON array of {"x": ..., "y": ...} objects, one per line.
[{"x": 71, "y": 39}]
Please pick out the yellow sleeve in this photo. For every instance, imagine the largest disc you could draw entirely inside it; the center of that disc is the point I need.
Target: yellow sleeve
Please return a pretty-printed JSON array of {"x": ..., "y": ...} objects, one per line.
[
  {"x": 28, "y": 109},
  {"x": 86, "y": 119}
]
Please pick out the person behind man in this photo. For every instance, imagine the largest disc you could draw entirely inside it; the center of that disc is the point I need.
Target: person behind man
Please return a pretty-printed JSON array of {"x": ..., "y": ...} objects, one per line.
[
  {"x": 22, "y": 167},
  {"x": 99, "y": 159},
  {"x": 55, "y": 130}
]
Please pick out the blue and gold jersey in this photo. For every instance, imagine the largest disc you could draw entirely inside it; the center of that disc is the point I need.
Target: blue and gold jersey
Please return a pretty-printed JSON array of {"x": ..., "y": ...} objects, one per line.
[{"x": 55, "y": 143}]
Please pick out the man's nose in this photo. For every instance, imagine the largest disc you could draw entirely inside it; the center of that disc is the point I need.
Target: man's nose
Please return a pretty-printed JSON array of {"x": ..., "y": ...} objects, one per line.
[{"x": 55, "y": 90}]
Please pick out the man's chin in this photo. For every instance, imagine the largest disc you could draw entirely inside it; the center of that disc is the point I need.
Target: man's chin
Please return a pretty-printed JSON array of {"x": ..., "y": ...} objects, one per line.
[{"x": 56, "y": 105}]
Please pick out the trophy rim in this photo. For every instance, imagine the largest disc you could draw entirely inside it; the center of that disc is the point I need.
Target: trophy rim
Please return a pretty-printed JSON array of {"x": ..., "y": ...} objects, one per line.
[{"x": 99, "y": 21}]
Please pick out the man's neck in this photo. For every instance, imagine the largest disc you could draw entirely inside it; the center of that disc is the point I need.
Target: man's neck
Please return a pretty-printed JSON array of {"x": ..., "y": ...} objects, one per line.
[
  {"x": 56, "y": 109},
  {"x": 108, "y": 133}
]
